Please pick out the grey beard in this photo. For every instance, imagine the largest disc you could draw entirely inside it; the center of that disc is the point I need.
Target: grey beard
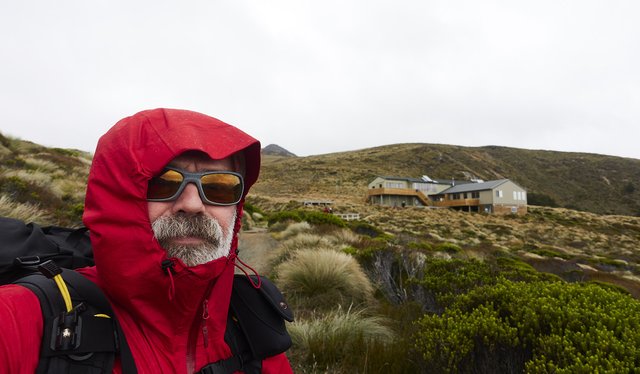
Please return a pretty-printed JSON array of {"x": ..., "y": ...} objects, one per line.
[{"x": 216, "y": 244}]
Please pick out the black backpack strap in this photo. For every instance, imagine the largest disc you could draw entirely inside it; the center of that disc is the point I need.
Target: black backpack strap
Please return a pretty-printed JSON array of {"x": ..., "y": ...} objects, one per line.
[
  {"x": 95, "y": 338},
  {"x": 94, "y": 296},
  {"x": 261, "y": 314},
  {"x": 255, "y": 327}
]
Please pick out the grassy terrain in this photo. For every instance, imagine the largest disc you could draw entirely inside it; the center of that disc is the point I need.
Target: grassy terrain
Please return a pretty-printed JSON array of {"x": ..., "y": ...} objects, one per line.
[
  {"x": 595, "y": 183},
  {"x": 416, "y": 289},
  {"x": 457, "y": 298},
  {"x": 45, "y": 185}
]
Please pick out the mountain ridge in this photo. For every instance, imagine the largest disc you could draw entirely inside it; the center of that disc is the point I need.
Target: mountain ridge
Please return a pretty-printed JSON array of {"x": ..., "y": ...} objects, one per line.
[{"x": 596, "y": 183}]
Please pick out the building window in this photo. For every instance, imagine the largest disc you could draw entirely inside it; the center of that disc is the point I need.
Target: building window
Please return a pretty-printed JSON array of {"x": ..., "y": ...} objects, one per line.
[
  {"x": 395, "y": 185},
  {"x": 498, "y": 193},
  {"x": 475, "y": 195}
]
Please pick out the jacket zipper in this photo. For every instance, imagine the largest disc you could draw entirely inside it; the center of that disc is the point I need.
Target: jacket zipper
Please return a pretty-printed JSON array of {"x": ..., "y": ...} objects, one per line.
[{"x": 199, "y": 325}]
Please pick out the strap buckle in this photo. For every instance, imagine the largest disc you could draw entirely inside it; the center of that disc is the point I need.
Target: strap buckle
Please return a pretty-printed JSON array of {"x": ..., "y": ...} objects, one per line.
[{"x": 67, "y": 330}]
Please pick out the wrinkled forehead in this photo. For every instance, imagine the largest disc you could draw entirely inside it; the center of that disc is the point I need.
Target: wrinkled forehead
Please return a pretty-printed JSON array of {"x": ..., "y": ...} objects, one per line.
[{"x": 200, "y": 161}]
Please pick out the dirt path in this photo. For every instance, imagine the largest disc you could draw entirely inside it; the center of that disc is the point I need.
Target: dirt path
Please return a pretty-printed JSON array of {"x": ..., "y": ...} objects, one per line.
[{"x": 256, "y": 248}]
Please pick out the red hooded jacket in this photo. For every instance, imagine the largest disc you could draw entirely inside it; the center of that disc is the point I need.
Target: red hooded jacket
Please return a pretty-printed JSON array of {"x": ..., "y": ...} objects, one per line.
[{"x": 161, "y": 313}]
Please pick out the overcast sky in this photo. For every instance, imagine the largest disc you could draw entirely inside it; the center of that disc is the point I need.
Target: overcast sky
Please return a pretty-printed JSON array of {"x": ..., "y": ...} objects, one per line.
[{"x": 318, "y": 77}]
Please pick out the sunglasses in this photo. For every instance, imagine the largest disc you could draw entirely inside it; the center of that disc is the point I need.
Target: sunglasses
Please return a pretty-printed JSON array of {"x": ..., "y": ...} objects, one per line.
[{"x": 214, "y": 187}]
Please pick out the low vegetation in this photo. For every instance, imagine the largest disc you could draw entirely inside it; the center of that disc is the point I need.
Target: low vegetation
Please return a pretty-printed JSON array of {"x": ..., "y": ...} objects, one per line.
[
  {"x": 418, "y": 290},
  {"x": 578, "y": 181},
  {"x": 49, "y": 182},
  {"x": 323, "y": 279},
  {"x": 466, "y": 304},
  {"x": 537, "y": 327}
]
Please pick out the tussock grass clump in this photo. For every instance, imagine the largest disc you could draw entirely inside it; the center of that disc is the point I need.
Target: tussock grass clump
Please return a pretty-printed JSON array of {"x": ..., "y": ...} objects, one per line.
[
  {"x": 293, "y": 230},
  {"x": 40, "y": 165},
  {"x": 323, "y": 279},
  {"x": 335, "y": 339},
  {"x": 33, "y": 176},
  {"x": 301, "y": 241},
  {"x": 25, "y": 212},
  {"x": 344, "y": 237}
]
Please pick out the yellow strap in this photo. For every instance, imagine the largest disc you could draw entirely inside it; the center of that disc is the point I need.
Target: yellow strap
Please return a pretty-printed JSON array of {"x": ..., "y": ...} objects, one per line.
[
  {"x": 101, "y": 315},
  {"x": 64, "y": 291}
]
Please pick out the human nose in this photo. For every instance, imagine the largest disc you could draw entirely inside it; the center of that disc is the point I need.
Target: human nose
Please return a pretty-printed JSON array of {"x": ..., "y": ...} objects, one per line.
[{"x": 189, "y": 201}]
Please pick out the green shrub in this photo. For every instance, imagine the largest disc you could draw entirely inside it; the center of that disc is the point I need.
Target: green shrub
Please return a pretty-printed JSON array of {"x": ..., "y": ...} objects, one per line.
[
  {"x": 287, "y": 215},
  {"x": 448, "y": 247},
  {"x": 420, "y": 246},
  {"x": 250, "y": 209},
  {"x": 320, "y": 218},
  {"x": 447, "y": 278},
  {"x": 311, "y": 216},
  {"x": 550, "y": 253},
  {"x": 364, "y": 228},
  {"x": 629, "y": 188},
  {"x": 367, "y": 247},
  {"x": 537, "y": 327},
  {"x": 514, "y": 269},
  {"x": 541, "y": 199}
]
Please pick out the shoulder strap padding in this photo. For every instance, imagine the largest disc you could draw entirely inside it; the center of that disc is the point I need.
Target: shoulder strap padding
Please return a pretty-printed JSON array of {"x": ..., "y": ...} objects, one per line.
[
  {"x": 100, "y": 338},
  {"x": 261, "y": 314}
]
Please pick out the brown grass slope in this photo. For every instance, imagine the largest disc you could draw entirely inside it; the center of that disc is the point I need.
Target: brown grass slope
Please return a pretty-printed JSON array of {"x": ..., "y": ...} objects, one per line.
[
  {"x": 589, "y": 182},
  {"x": 41, "y": 184},
  {"x": 47, "y": 185}
]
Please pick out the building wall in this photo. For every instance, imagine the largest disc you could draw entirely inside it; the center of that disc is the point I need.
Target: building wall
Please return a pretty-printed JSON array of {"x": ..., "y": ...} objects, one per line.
[
  {"x": 486, "y": 197},
  {"x": 395, "y": 200},
  {"x": 509, "y": 209},
  {"x": 506, "y": 195},
  {"x": 391, "y": 183},
  {"x": 507, "y": 198}
]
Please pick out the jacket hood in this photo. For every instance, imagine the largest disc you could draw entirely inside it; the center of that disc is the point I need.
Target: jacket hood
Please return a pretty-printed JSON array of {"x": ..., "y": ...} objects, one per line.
[{"x": 127, "y": 256}]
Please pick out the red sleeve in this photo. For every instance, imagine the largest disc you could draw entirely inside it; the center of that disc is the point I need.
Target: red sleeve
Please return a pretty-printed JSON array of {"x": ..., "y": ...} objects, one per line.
[
  {"x": 278, "y": 364},
  {"x": 21, "y": 330}
]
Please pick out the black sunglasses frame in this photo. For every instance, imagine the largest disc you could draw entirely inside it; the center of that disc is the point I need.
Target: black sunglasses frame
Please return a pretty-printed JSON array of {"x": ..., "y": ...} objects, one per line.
[{"x": 196, "y": 178}]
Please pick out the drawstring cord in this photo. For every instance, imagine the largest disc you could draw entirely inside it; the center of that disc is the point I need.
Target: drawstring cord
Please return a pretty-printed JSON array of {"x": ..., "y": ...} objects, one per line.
[
  {"x": 167, "y": 266},
  {"x": 235, "y": 256}
]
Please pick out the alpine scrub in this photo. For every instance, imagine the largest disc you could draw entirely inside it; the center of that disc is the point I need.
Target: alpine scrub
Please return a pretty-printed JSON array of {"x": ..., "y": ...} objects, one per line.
[{"x": 537, "y": 327}]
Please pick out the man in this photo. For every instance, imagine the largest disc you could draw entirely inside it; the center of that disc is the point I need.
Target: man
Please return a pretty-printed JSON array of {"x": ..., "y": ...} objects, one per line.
[{"x": 163, "y": 206}]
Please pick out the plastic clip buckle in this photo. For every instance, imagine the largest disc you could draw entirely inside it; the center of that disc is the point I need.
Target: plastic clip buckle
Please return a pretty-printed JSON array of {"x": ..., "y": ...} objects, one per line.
[{"x": 67, "y": 330}]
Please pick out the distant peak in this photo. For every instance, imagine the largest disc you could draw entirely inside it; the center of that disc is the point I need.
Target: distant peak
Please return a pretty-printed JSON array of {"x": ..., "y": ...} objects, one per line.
[{"x": 276, "y": 150}]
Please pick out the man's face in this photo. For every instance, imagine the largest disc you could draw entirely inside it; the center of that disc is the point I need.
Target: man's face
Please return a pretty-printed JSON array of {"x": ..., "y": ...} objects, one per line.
[{"x": 188, "y": 228}]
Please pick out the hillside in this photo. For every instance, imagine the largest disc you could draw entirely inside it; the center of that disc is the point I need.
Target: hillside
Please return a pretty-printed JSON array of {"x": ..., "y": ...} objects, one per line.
[
  {"x": 588, "y": 182},
  {"x": 421, "y": 263},
  {"x": 276, "y": 150},
  {"x": 41, "y": 184}
]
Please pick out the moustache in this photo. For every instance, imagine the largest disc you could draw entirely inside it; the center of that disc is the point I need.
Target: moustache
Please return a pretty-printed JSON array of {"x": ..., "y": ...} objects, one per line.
[{"x": 203, "y": 227}]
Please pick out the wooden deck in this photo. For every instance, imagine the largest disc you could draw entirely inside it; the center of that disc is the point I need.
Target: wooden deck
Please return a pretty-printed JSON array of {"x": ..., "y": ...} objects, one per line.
[
  {"x": 423, "y": 198},
  {"x": 401, "y": 192},
  {"x": 455, "y": 203}
]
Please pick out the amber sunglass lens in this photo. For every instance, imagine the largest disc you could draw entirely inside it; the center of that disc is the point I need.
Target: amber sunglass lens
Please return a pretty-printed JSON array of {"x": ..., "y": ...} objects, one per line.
[
  {"x": 164, "y": 186},
  {"x": 222, "y": 188}
]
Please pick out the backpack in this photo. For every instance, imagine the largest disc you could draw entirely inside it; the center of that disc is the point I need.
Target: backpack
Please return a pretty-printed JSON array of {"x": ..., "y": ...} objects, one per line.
[{"x": 81, "y": 333}]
